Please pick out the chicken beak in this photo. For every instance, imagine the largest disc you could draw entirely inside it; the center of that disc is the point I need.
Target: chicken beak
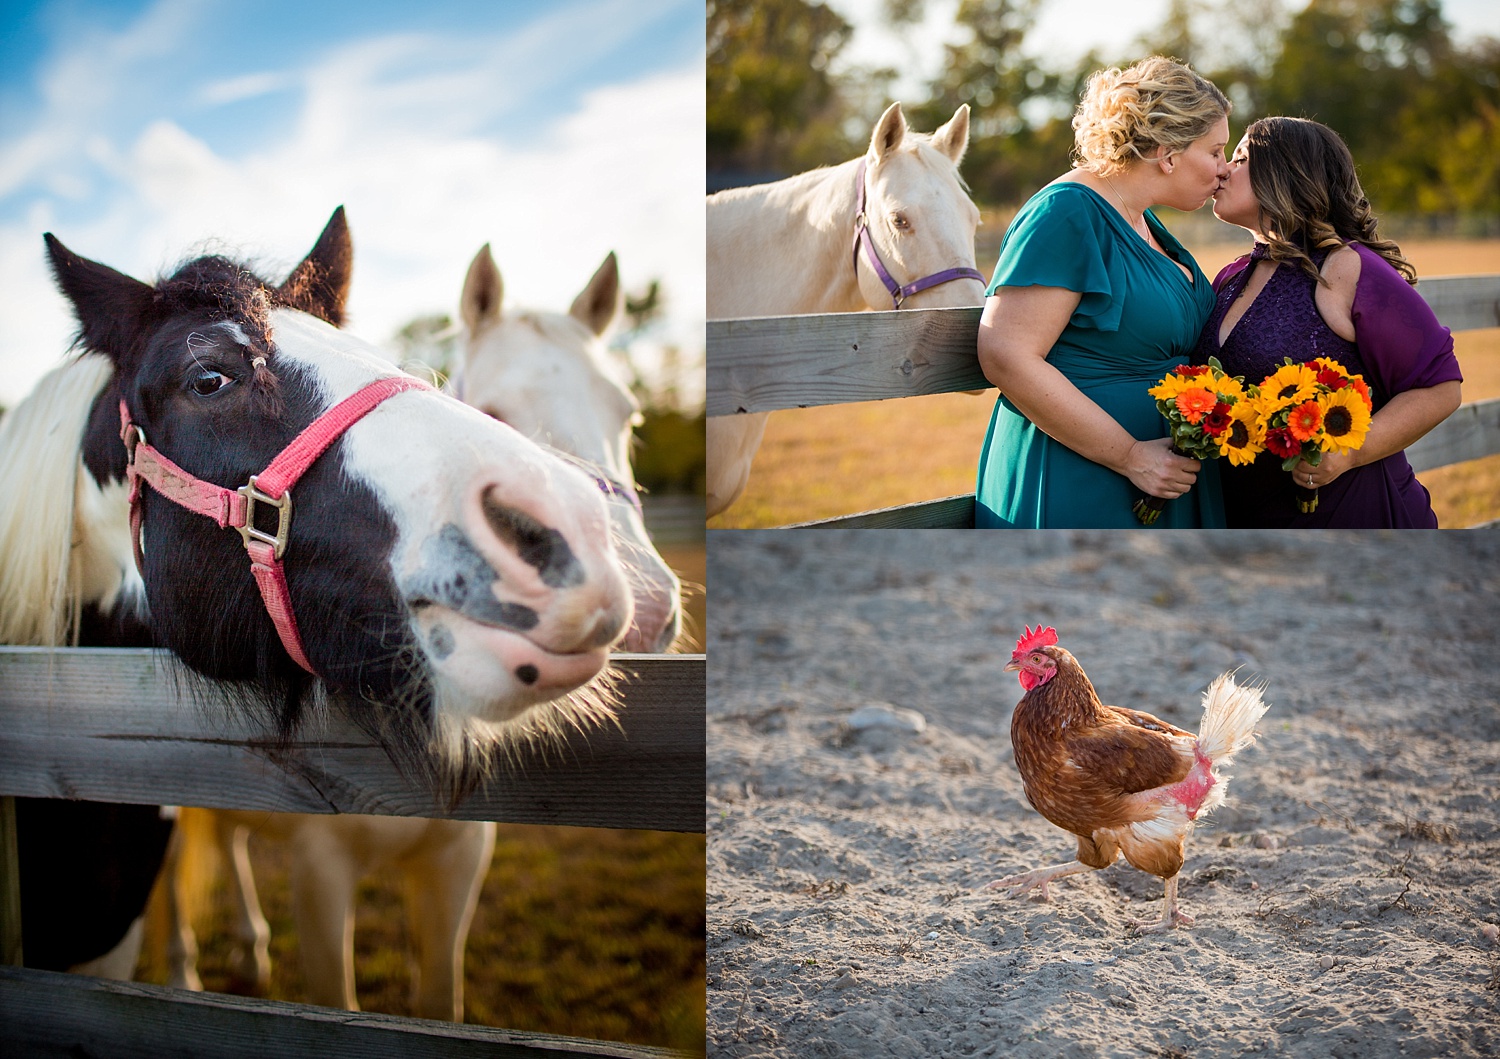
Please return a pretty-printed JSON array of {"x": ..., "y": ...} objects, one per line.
[{"x": 1013, "y": 665}]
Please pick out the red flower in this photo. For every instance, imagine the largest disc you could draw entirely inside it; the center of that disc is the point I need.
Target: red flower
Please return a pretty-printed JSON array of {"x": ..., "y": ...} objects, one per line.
[
  {"x": 1332, "y": 379},
  {"x": 1279, "y": 440},
  {"x": 1217, "y": 421},
  {"x": 1191, "y": 371}
]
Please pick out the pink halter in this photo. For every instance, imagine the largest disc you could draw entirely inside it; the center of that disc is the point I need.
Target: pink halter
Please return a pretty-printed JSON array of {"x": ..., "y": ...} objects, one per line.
[{"x": 236, "y": 507}]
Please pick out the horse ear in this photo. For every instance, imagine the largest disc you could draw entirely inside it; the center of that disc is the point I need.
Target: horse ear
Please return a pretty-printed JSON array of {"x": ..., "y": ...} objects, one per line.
[
  {"x": 953, "y": 138},
  {"x": 890, "y": 130},
  {"x": 111, "y": 307},
  {"x": 479, "y": 304},
  {"x": 595, "y": 308},
  {"x": 320, "y": 284}
]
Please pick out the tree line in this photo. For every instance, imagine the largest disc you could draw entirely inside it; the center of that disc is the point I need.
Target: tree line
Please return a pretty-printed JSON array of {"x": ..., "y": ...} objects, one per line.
[{"x": 1419, "y": 110}]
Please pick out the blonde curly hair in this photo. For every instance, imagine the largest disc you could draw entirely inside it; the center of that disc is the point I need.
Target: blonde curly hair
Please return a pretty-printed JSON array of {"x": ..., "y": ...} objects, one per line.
[{"x": 1125, "y": 115}]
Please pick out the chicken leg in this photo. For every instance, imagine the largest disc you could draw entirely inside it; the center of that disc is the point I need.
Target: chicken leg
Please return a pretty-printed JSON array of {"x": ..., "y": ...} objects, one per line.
[
  {"x": 1038, "y": 878},
  {"x": 1172, "y": 916}
]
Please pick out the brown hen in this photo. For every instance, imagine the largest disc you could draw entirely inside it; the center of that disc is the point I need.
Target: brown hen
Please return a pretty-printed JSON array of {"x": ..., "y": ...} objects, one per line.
[{"x": 1121, "y": 780}]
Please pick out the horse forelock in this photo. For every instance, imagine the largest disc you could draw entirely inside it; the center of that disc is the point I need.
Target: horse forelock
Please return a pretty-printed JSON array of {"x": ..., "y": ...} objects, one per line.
[
  {"x": 46, "y": 550},
  {"x": 223, "y": 290}
]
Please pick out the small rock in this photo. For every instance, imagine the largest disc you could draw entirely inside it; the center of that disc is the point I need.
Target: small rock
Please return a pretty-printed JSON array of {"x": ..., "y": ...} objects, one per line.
[
  {"x": 1264, "y": 841},
  {"x": 759, "y": 981},
  {"x": 880, "y": 716},
  {"x": 1349, "y": 924},
  {"x": 1490, "y": 932},
  {"x": 1326, "y": 962},
  {"x": 845, "y": 981},
  {"x": 933, "y": 936}
]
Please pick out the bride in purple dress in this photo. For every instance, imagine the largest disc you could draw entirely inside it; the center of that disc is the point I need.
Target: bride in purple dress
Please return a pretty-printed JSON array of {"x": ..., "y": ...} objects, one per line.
[{"x": 1322, "y": 283}]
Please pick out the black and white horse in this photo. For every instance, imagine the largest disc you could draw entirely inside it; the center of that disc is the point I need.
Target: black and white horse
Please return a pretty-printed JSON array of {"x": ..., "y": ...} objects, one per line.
[{"x": 452, "y": 585}]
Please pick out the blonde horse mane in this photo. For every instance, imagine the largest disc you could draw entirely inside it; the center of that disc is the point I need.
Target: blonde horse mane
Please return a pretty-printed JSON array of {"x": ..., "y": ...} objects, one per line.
[{"x": 40, "y": 440}]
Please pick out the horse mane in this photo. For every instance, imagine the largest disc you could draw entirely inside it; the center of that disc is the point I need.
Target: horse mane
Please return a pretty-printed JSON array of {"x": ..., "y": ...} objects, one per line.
[{"x": 40, "y": 441}]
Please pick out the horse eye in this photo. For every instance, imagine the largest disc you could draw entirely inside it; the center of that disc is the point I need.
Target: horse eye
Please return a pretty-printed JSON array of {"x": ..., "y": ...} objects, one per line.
[
  {"x": 207, "y": 383},
  {"x": 900, "y": 223}
]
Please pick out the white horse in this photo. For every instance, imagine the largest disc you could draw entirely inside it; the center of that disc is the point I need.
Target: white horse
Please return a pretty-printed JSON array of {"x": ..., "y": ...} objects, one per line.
[
  {"x": 549, "y": 376},
  {"x": 796, "y": 246}
]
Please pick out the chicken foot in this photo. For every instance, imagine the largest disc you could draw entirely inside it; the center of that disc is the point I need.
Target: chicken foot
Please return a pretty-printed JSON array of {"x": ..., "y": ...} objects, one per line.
[
  {"x": 1172, "y": 916},
  {"x": 1038, "y": 878}
]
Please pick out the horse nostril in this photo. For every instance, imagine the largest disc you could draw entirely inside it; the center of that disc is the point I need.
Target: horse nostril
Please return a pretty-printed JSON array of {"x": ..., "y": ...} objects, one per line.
[
  {"x": 537, "y": 545},
  {"x": 527, "y": 674}
]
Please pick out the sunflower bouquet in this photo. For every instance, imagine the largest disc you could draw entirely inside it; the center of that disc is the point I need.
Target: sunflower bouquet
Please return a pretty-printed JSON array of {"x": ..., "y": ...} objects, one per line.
[
  {"x": 1210, "y": 414},
  {"x": 1309, "y": 409}
]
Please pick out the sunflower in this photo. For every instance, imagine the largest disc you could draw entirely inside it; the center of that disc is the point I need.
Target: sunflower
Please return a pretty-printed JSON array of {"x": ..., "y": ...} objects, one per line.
[
  {"x": 1168, "y": 389},
  {"x": 1246, "y": 437},
  {"x": 1346, "y": 420},
  {"x": 1195, "y": 403},
  {"x": 1305, "y": 420},
  {"x": 1290, "y": 382}
]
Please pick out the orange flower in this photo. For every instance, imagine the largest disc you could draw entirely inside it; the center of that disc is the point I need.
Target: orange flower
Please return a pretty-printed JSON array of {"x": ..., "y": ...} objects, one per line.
[
  {"x": 1358, "y": 381},
  {"x": 1305, "y": 420},
  {"x": 1195, "y": 403}
]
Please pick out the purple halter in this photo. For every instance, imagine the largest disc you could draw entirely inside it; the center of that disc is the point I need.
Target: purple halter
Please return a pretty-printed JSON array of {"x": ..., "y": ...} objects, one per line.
[{"x": 862, "y": 238}]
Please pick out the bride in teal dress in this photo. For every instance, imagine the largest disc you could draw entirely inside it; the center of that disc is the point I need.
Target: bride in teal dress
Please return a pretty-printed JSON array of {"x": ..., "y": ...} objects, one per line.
[{"x": 1092, "y": 302}]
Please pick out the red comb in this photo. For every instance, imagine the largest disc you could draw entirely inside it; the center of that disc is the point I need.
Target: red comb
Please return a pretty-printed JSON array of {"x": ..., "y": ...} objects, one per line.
[{"x": 1038, "y": 637}]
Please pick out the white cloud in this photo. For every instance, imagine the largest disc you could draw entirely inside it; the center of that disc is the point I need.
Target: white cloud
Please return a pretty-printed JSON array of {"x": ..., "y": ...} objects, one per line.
[{"x": 393, "y": 128}]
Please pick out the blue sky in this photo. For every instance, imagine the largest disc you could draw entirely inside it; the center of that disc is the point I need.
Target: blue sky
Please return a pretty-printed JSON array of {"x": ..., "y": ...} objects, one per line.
[{"x": 139, "y": 131}]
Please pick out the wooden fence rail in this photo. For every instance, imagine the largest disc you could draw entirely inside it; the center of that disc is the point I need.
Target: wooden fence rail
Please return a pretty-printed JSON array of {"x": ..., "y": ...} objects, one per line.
[
  {"x": 764, "y": 364},
  {"x": 130, "y": 725}
]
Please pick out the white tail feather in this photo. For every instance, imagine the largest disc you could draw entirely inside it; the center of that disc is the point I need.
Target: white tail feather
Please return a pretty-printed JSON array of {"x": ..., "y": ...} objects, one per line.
[{"x": 1230, "y": 713}]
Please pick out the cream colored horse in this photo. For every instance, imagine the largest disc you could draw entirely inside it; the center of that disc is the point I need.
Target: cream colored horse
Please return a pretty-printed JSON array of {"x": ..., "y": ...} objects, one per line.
[
  {"x": 785, "y": 248},
  {"x": 441, "y": 864},
  {"x": 549, "y": 375}
]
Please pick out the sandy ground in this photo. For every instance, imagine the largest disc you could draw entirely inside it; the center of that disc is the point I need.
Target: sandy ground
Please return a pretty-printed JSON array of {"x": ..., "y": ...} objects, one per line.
[{"x": 1341, "y": 896}]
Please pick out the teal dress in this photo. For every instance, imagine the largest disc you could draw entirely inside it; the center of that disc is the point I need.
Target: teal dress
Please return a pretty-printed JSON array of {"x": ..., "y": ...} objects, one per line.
[{"x": 1139, "y": 317}]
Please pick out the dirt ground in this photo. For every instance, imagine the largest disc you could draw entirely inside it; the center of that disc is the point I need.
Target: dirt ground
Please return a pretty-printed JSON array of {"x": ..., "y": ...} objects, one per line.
[{"x": 1342, "y": 896}]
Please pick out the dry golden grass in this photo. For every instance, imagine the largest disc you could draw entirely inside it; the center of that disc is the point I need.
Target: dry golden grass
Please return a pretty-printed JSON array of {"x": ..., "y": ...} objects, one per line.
[
  {"x": 821, "y": 462},
  {"x": 580, "y": 931}
]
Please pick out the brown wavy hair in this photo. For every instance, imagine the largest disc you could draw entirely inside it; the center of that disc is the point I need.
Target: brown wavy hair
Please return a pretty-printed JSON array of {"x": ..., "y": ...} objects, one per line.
[
  {"x": 1124, "y": 115},
  {"x": 1309, "y": 196}
]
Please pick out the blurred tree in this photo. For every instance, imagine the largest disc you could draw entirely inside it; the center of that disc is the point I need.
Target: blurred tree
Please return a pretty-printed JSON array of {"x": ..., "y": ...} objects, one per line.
[
  {"x": 669, "y": 455},
  {"x": 773, "y": 105},
  {"x": 1015, "y": 104},
  {"x": 428, "y": 346}
]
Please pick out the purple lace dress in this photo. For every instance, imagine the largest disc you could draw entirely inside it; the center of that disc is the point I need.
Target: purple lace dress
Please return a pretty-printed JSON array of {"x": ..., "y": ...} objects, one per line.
[{"x": 1399, "y": 345}]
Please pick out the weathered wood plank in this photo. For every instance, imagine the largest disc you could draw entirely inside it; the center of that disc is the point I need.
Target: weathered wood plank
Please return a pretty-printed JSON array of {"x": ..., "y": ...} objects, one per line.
[
  {"x": 124, "y": 725},
  {"x": 952, "y": 512},
  {"x": 10, "y": 886},
  {"x": 762, "y": 364},
  {"x": 765, "y": 363},
  {"x": 1470, "y": 433},
  {"x": 1463, "y": 303},
  {"x": 47, "y": 1014}
]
